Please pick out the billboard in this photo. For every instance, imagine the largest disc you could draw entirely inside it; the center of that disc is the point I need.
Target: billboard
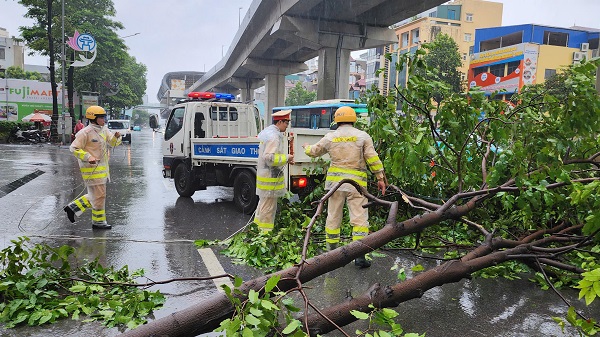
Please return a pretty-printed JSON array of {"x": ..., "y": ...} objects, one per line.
[
  {"x": 19, "y": 98},
  {"x": 509, "y": 79}
]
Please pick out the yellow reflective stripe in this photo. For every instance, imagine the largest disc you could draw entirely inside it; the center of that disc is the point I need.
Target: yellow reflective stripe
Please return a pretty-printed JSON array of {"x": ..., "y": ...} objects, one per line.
[
  {"x": 339, "y": 178},
  {"x": 92, "y": 169},
  {"x": 279, "y": 159},
  {"x": 376, "y": 167},
  {"x": 270, "y": 187},
  {"x": 332, "y": 231},
  {"x": 373, "y": 159},
  {"x": 332, "y": 240},
  {"x": 79, "y": 154},
  {"x": 360, "y": 229},
  {"x": 270, "y": 180},
  {"x": 265, "y": 226},
  {"x": 307, "y": 150},
  {"x": 98, "y": 218},
  {"x": 94, "y": 176},
  {"x": 115, "y": 141},
  {"x": 357, "y": 237},
  {"x": 86, "y": 201},
  {"x": 344, "y": 139},
  {"x": 78, "y": 203},
  {"x": 98, "y": 215},
  {"x": 348, "y": 171}
]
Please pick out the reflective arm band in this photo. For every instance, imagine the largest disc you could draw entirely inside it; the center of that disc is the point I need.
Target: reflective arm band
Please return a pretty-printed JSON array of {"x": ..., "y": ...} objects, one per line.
[
  {"x": 279, "y": 159},
  {"x": 375, "y": 164},
  {"x": 307, "y": 150},
  {"x": 79, "y": 154},
  {"x": 115, "y": 141}
]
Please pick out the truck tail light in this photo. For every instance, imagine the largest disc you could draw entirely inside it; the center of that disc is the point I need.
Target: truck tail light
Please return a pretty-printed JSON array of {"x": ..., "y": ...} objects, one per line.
[{"x": 300, "y": 182}]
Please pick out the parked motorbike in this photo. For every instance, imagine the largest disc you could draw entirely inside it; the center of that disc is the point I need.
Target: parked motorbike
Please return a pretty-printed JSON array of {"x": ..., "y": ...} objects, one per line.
[{"x": 19, "y": 136}]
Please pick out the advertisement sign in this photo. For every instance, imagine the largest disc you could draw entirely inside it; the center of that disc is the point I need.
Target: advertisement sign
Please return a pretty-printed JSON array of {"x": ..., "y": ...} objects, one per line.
[
  {"x": 19, "y": 98},
  {"x": 514, "y": 78}
]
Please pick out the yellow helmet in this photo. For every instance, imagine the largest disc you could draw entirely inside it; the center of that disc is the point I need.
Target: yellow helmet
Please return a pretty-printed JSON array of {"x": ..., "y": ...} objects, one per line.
[
  {"x": 345, "y": 114},
  {"x": 94, "y": 111}
]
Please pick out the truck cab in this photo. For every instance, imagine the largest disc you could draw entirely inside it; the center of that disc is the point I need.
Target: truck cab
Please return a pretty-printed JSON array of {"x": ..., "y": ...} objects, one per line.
[{"x": 211, "y": 140}]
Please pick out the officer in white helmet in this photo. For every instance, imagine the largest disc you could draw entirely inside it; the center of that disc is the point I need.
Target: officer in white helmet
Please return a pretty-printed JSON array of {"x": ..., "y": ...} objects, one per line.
[
  {"x": 91, "y": 147},
  {"x": 272, "y": 158}
]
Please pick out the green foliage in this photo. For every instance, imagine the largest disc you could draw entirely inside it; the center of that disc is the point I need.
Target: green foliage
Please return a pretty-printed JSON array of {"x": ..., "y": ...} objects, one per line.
[
  {"x": 280, "y": 245},
  {"x": 585, "y": 327},
  {"x": 19, "y": 73},
  {"x": 273, "y": 312},
  {"x": 443, "y": 59},
  {"x": 299, "y": 96},
  {"x": 381, "y": 323},
  {"x": 38, "y": 286},
  {"x": 112, "y": 64},
  {"x": 261, "y": 312}
]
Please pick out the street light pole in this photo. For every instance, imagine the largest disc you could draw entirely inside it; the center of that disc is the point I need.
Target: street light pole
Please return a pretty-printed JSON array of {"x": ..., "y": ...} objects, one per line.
[{"x": 63, "y": 63}]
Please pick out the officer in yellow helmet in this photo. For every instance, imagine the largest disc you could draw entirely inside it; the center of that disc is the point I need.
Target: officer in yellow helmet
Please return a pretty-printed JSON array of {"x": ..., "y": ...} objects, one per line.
[
  {"x": 351, "y": 151},
  {"x": 90, "y": 147},
  {"x": 272, "y": 159}
]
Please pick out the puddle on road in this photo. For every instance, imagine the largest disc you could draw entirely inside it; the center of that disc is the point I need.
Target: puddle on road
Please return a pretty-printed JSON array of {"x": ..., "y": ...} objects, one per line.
[{"x": 6, "y": 189}]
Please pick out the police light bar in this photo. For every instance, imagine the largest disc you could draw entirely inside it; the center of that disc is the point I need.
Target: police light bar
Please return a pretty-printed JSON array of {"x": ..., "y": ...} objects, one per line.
[{"x": 210, "y": 95}]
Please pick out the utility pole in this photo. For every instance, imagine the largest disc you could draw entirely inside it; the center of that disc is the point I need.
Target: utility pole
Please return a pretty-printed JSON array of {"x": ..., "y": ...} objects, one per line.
[{"x": 63, "y": 65}]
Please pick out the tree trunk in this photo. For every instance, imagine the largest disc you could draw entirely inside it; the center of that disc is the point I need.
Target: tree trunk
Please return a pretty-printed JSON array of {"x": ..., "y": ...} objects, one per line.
[{"x": 54, "y": 124}]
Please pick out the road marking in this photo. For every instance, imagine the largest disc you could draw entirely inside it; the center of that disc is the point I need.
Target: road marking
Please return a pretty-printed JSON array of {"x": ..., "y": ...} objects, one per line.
[{"x": 214, "y": 268}]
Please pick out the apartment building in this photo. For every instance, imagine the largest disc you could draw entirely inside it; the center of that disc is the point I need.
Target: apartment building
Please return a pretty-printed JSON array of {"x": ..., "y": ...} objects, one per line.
[
  {"x": 459, "y": 19},
  {"x": 12, "y": 53},
  {"x": 507, "y": 58}
]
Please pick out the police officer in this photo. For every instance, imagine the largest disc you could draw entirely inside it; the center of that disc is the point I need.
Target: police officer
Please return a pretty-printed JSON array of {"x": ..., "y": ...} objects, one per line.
[
  {"x": 90, "y": 147},
  {"x": 351, "y": 151},
  {"x": 272, "y": 158}
]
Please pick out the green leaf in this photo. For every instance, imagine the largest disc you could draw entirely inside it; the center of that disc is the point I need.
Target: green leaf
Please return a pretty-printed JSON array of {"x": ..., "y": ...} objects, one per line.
[
  {"x": 250, "y": 319},
  {"x": 359, "y": 314},
  {"x": 292, "y": 326},
  {"x": 272, "y": 282}
]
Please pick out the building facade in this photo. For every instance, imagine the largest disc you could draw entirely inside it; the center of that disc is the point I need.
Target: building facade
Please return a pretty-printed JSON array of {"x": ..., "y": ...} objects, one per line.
[
  {"x": 458, "y": 19},
  {"x": 507, "y": 58},
  {"x": 12, "y": 53}
]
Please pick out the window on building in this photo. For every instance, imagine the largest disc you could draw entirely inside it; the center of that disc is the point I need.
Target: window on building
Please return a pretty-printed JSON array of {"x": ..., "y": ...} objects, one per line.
[
  {"x": 463, "y": 77},
  {"x": 415, "y": 36},
  {"x": 512, "y": 66},
  {"x": 480, "y": 70},
  {"x": 469, "y": 17},
  {"x": 464, "y": 57},
  {"x": 404, "y": 39},
  {"x": 467, "y": 37},
  {"x": 470, "y": 50},
  {"x": 556, "y": 38},
  {"x": 549, "y": 73},
  {"x": 2, "y": 54},
  {"x": 498, "y": 69},
  {"x": 451, "y": 14},
  {"x": 433, "y": 14}
]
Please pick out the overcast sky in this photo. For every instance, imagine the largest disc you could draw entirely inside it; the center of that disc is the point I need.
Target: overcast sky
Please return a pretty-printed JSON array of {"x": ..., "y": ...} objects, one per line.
[{"x": 180, "y": 35}]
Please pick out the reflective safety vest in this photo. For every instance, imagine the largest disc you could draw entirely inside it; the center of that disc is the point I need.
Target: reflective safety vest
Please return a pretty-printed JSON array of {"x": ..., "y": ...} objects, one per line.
[
  {"x": 93, "y": 140},
  {"x": 272, "y": 158},
  {"x": 351, "y": 151}
]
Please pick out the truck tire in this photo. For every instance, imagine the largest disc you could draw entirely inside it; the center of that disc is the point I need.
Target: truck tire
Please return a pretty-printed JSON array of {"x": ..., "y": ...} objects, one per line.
[
  {"x": 184, "y": 183},
  {"x": 244, "y": 192}
]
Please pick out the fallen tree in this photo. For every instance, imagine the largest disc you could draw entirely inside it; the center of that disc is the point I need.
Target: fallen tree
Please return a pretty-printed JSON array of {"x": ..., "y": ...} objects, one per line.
[{"x": 520, "y": 183}]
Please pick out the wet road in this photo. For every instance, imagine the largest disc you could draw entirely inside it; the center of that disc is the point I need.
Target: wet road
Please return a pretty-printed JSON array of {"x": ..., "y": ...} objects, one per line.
[{"x": 154, "y": 229}]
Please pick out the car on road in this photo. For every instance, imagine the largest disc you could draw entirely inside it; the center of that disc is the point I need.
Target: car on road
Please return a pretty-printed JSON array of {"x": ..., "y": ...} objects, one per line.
[{"x": 122, "y": 126}]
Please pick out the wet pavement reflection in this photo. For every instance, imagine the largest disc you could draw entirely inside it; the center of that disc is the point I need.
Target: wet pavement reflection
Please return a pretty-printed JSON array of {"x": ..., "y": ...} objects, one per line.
[{"x": 154, "y": 229}]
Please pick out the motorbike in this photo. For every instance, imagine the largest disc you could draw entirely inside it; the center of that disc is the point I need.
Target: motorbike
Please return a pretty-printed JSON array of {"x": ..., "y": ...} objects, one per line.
[{"x": 19, "y": 136}]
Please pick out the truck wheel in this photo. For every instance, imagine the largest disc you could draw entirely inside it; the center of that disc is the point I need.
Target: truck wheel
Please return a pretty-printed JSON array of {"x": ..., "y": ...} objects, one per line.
[
  {"x": 183, "y": 181},
  {"x": 244, "y": 192}
]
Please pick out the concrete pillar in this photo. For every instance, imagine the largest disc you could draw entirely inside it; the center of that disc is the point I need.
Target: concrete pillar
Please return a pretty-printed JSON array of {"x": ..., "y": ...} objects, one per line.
[
  {"x": 275, "y": 94},
  {"x": 334, "y": 73},
  {"x": 247, "y": 94}
]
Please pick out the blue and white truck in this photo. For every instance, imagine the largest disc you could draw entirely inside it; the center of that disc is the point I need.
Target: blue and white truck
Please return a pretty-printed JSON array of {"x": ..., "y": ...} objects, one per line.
[{"x": 209, "y": 140}]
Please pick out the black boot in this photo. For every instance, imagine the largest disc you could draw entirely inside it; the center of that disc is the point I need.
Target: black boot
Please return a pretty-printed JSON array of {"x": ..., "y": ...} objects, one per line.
[
  {"x": 362, "y": 262},
  {"x": 101, "y": 225},
  {"x": 70, "y": 213}
]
